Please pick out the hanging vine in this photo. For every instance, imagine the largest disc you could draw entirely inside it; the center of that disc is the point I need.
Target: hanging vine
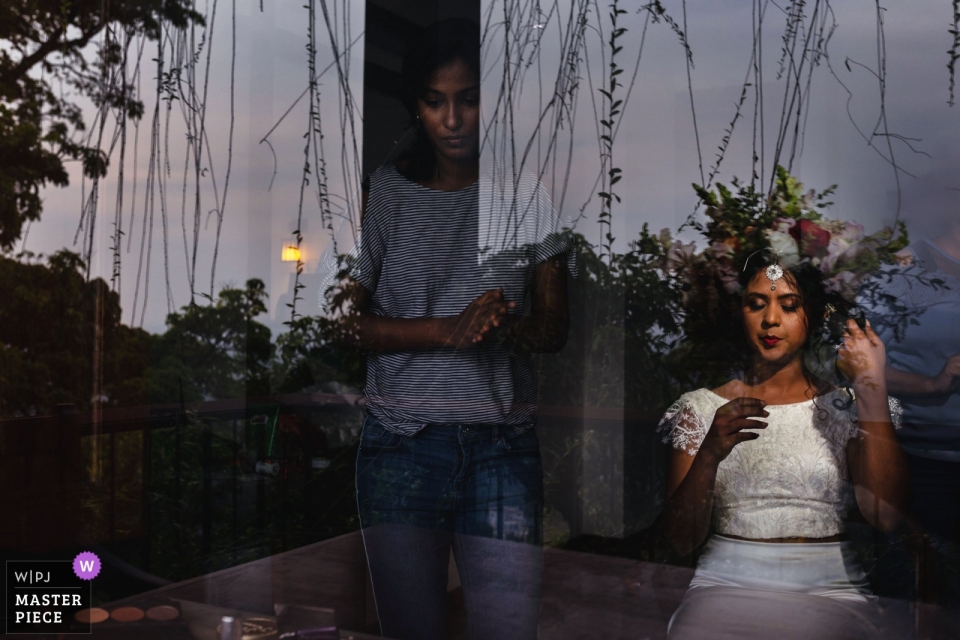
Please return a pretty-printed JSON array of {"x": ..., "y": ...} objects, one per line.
[
  {"x": 954, "y": 52},
  {"x": 515, "y": 32},
  {"x": 611, "y": 174}
]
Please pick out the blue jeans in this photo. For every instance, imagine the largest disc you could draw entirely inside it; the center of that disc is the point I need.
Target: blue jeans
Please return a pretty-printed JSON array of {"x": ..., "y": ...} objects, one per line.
[{"x": 477, "y": 489}]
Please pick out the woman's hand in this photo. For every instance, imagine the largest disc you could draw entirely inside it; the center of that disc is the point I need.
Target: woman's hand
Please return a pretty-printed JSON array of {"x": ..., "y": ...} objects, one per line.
[
  {"x": 948, "y": 380},
  {"x": 544, "y": 329},
  {"x": 878, "y": 468},
  {"x": 473, "y": 324},
  {"x": 727, "y": 430},
  {"x": 691, "y": 481},
  {"x": 862, "y": 358}
]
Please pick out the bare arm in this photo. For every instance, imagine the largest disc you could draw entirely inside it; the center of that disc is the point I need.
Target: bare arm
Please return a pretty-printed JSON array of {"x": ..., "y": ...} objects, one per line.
[
  {"x": 690, "y": 485},
  {"x": 906, "y": 383},
  {"x": 878, "y": 467},
  {"x": 379, "y": 333},
  {"x": 691, "y": 480}
]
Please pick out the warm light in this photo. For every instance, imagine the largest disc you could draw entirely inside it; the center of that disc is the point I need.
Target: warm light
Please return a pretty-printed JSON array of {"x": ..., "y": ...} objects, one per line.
[{"x": 290, "y": 253}]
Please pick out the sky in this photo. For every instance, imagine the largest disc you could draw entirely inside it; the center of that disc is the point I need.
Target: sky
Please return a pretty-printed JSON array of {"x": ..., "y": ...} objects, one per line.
[{"x": 656, "y": 146}]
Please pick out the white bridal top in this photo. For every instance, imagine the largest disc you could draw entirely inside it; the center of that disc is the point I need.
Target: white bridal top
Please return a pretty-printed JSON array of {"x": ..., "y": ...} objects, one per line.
[{"x": 793, "y": 480}]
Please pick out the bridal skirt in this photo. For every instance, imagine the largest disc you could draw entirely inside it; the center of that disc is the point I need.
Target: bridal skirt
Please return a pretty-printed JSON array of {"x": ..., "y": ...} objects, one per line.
[{"x": 745, "y": 589}]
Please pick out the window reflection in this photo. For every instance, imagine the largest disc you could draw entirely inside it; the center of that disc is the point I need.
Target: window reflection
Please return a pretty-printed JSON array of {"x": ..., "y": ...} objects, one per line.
[{"x": 388, "y": 308}]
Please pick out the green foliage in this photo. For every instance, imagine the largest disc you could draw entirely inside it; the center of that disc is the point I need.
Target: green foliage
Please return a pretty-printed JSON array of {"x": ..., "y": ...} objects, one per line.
[
  {"x": 318, "y": 350},
  {"x": 45, "y": 46},
  {"x": 48, "y": 337},
  {"x": 623, "y": 324},
  {"x": 25, "y": 166},
  {"x": 789, "y": 227},
  {"x": 645, "y": 324},
  {"x": 742, "y": 219},
  {"x": 313, "y": 352},
  {"x": 249, "y": 516},
  {"x": 661, "y": 318},
  {"x": 215, "y": 351}
]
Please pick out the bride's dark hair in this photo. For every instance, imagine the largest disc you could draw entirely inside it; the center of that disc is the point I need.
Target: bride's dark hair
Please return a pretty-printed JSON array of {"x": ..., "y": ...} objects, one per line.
[{"x": 442, "y": 43}]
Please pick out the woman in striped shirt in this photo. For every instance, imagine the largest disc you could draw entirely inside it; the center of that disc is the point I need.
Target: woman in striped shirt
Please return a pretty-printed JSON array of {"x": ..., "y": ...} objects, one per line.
[{"x": 457, "y": 280}]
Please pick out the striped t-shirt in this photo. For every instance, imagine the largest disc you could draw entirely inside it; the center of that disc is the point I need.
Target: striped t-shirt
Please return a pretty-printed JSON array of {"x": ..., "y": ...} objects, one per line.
[{"x": 425, "y": 253}]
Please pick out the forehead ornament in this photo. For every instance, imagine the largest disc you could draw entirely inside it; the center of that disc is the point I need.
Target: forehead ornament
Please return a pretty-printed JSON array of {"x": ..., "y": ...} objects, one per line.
[{"x": 774, "y": 272}]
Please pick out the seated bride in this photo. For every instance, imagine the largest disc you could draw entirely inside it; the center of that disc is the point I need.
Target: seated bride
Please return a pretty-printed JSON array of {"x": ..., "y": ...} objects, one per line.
[{"x": 766, "y": 467}]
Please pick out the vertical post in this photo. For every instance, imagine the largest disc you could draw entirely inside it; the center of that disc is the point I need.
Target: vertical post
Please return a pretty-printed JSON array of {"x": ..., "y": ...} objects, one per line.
[
  {"x": 146, "y": 476},
  {"x": 181, "y": 420},
  {"x": 97, "y": 374},
  {"x": 261, "y": 436},
  {"x": 285, "y": 468},
  {"x": 206, "y": 517},
  {"x": 113, "y": 485},
  {"x": 234, "y": 497},
  {"x": 71, "y": 469}
]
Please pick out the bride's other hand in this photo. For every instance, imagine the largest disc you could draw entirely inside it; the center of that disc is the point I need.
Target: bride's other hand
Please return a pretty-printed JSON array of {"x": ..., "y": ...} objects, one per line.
[
  {"x": 878, "y": 468},
  {"x": 861, "y": 358},
  {"x": 727, "y": 430}
]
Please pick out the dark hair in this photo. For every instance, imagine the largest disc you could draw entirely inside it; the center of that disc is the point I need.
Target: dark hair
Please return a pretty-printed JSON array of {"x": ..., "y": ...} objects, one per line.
[{"x": 442, "y": 43}]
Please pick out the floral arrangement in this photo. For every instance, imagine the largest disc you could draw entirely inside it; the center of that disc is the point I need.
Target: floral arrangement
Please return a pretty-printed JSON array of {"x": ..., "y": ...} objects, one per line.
[
  {"x": 788, "y": 221},
  {"x": 700, "y": 289}
]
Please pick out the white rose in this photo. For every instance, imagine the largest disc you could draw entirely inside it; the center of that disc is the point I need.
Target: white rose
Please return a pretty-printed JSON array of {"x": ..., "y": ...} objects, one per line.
[{"x": 784, "y": 246}]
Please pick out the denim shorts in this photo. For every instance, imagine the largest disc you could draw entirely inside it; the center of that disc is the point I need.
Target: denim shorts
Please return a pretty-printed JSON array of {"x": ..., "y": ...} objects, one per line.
[{"x": 473, "y": 479}]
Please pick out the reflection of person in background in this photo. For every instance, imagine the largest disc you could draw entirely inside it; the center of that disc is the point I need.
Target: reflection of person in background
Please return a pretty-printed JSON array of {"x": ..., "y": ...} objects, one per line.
[
  {"x": 448, "y": 454},
  {"x": 923, "y": 370},
  {"x": 765, "y": 461}
]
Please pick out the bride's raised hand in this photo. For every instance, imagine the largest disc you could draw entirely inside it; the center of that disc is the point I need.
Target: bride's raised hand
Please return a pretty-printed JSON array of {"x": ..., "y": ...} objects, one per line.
[
  {"x": 727, "y": 430},
  {"x": 861, "y": 358}
]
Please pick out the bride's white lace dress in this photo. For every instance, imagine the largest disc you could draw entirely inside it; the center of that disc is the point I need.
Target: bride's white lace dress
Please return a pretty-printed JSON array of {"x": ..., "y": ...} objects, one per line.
[{"x": 792, "y": 481}]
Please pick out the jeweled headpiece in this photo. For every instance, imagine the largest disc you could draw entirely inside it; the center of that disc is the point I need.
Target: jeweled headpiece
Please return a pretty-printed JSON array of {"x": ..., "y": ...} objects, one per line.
[{"x": 773, "y": 272}]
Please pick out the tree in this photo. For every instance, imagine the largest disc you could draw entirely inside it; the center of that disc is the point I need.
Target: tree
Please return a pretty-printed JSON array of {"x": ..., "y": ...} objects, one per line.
[
  {"x": 214, "y": 352},
  {"x": 47, "y": 333},
  {"x": 45, "y": 49}
]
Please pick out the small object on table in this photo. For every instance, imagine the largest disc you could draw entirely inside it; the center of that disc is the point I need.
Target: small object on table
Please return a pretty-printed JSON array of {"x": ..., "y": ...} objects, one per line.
[
  {"x": 298, "y": 622},
  {"x": 252, "y": 628},
  {"x": 147, "y": 619},
  {"x": 163, "y": 613},
  {"x": 127, "y": 614},
  {"x": 230, "y": 628}
]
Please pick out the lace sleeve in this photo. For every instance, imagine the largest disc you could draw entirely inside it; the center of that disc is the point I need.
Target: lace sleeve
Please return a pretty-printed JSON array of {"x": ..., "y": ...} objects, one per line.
[
  {"x": 896, "y": 415},
  {"x": 896, "y": 412},
  {"x": 683, "y": 427}
]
